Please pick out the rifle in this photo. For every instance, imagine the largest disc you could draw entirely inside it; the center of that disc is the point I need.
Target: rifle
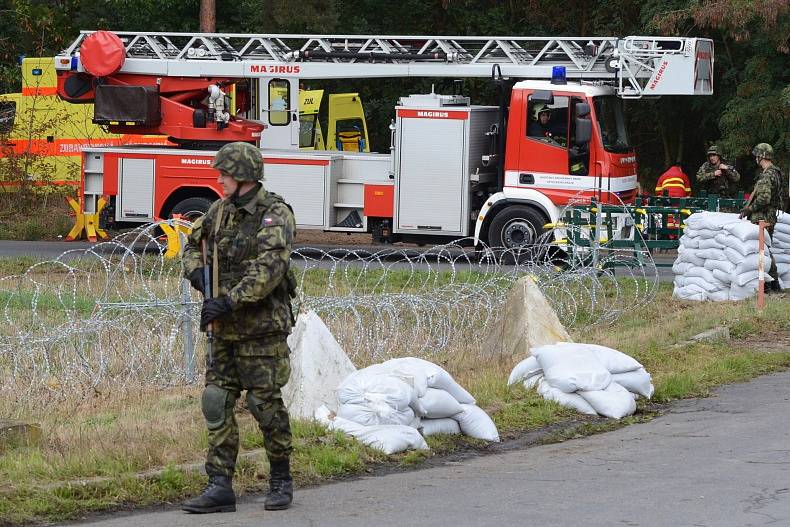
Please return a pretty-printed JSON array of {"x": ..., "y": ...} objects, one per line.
[{"x": 207, "y": 294}]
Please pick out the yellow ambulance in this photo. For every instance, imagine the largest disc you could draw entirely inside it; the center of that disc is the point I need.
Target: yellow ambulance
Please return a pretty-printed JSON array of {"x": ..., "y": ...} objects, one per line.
[{"x": 44, "y": 134}]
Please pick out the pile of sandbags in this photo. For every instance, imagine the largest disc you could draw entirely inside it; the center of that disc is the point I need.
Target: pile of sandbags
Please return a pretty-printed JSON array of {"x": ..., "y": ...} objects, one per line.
[
  {"x": 781, "y": 249},
  {"x": 388, "y": 405},
  {"x": 718, "y": 258},
  {"x": 589, "y": 378}
]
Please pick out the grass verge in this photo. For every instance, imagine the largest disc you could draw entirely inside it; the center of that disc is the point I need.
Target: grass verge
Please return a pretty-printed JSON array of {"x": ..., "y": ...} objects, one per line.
[{"x": 95, "y": 448}]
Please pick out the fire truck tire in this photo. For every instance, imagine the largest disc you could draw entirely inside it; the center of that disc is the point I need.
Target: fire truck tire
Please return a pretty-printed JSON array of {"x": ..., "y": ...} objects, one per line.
[
  {"x": 191, "y": 208},
  {"x": 516, "y": 226}
]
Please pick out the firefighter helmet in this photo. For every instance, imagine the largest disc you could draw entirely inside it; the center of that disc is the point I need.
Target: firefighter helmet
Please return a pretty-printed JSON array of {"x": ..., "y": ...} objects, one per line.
[
  {"x": 241, "y": 161},
  {"x": 763, "y": 151},
  {"x": 539, "y": 109}
]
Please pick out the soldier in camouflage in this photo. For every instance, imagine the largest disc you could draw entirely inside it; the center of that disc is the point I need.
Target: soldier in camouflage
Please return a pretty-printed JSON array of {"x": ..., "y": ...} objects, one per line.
[
  {"x": 766, "y": 199},
  {"x": 717, "y": 177},
  {"x": 248, "y": 237}
]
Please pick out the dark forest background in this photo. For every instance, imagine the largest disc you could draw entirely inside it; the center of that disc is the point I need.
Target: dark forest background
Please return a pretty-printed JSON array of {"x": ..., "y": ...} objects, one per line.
[{"x": 751, "y": 101}]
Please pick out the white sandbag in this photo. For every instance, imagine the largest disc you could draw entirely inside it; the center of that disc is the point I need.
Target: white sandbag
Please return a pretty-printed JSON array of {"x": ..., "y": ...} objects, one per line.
[
  {"x": 639, "y": 382},
  {"x": 375, "y": 413},
  {"x": 615, "y": 401},
  {"x": 568, "y": 400},
  {"x": 679, "y": 281},
  {"x": 700, "y": 272},
  {"x": 438, "y": 404},
  {"x": 724, "y": 266},
  {"x": 318, "y": 366},
  {"x": 724, "y": 278},
  {"x": 710, "y": 220},
  {"x": 738, "y": 249},
  {"x": 443, "y": 381},
  {"x": 748, "y": 290},
  {"x": 436, "y": 376},
  {"x": 711, "y": 254},
  {"x": 782, "y": 268},
  {"x": 692, "y": 258},
  {"x": 474, "y": 422},
  {"x": 751, "y": 262},
  {"x": 570, "y": 367},
  {"x": 687, "y": 243},
  {"x": 613, "y": 360},
  {"x": 531, "y": 382},
  {"x": 410, "y": 371},
  {"x": 706, "y": 285},
  {"x": 526, "y": 368},
  {"x": 745, "y": 230},
  {"x": 706, "y": 244},
  {"x": 781, "y": 227},
  {"x": 780, "y": 239},
  {"x": 390, "y": 439},
  {"x": 743, "y": 279},
  {"x": 681, "y": 267},
  {"x": 369, "y": 385},
  {"x": 689, "y": 293},
  {"x": 432, "y": 427},
  {"x": 722, "y": 295}
]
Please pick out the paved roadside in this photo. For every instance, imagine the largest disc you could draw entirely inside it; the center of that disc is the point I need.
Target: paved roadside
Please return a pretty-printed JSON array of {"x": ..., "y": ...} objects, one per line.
[{"x": 721, "y": 461}]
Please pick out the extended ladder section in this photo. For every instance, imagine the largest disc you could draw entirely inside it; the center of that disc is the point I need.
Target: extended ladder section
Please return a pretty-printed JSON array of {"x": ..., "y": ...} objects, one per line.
[{"x": 636, "y": 66}]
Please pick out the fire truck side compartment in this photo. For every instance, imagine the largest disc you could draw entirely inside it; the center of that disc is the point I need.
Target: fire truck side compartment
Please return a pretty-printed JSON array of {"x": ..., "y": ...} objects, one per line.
[{"x": 438, "y": 149}]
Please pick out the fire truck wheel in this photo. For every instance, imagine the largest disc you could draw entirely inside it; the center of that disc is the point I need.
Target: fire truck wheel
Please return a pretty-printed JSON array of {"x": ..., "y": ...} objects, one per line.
[
  {"x": 516, "y": 227},
  {"x": 191, "y": 208}
]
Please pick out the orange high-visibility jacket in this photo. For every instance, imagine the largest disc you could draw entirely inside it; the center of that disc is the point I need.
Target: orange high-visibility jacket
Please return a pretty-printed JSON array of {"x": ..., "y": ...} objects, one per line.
[{"x": 675, "y": 182}]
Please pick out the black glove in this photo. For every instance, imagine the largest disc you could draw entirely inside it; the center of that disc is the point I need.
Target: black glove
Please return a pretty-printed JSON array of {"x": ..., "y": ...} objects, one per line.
[
  {"x": 213, "y": 308},
  {"x": 745, "y": 212},
  {"x": 196, "y": 279}
]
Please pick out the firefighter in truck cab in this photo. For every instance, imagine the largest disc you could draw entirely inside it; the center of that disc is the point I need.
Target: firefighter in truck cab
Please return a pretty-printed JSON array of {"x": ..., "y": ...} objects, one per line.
[{"x": 542, "y": 127}]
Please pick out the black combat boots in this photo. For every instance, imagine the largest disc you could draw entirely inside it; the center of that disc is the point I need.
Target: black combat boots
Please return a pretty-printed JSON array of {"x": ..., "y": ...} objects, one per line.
[
  {"x": 218, "y": 497},
  {"x": 281, "y": 488}
]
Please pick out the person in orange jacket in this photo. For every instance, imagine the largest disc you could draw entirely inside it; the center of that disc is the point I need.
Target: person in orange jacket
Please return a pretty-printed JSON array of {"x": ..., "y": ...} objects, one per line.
[{"x": 675, "y": 183}]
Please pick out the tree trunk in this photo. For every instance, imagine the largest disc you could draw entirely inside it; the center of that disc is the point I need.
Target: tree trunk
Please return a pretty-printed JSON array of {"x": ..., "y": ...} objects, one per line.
[{"x": 208, "y": 16}]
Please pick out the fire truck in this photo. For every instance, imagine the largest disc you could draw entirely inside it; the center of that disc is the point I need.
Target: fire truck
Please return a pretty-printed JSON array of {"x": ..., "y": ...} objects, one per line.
[{"x": 497, "y": 173}]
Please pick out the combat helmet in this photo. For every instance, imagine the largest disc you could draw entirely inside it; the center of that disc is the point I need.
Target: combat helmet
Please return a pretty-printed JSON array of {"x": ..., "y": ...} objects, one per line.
[
  {"x": 763, "y": 151},
  {"x": 539, "y": 109},
  {"x": 241, "y": 161}
]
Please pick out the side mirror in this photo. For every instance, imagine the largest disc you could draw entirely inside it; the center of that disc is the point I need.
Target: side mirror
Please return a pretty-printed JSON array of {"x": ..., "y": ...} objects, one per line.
[
  {"x": 542, "y": 96},
  {"x": 582, "y": 109},
  {"x": 583, "y": 131}
]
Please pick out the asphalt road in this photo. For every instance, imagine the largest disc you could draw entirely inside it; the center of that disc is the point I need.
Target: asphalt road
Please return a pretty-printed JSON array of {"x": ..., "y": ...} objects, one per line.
[
  {"x": 718, "y": 462},
  {"x": 51, "y": 250}
]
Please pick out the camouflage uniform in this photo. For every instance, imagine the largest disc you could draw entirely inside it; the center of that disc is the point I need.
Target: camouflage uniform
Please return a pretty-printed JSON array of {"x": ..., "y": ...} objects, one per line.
[
  {"x": 723, "y": 185},
  {"x": 766, "y": 200},
  {"x": 252, "y": 237}
]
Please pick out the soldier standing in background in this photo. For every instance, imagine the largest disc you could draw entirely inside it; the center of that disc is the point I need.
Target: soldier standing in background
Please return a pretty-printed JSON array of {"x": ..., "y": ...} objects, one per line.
[
  {"x": 766, "y": 199},
  {"x": 716, "y": 177},
  {"x": 248, "y": 237}
]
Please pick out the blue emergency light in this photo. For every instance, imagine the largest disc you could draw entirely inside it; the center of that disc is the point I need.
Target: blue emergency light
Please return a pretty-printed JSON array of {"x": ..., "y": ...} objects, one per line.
[
  {"x": 558, "y": 75},
  {"x": 36, "y": 71},
  {"x": 74, "y": 63}
]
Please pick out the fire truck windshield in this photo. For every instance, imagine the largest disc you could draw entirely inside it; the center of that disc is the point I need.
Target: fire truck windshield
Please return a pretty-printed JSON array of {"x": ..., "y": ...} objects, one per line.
[{"x": 611, "y": 124}]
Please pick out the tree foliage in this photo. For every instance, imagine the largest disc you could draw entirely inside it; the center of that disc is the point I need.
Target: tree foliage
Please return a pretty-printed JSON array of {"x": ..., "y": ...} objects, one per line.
[{"x": 752, "y": 39}]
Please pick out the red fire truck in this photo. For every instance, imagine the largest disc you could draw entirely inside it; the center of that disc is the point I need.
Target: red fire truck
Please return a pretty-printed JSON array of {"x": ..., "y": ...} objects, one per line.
[{"x": 498, "y": 173}]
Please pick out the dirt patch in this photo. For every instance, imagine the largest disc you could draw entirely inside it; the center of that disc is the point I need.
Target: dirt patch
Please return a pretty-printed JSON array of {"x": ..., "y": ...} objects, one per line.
[{"x": 768, "y": 342}]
